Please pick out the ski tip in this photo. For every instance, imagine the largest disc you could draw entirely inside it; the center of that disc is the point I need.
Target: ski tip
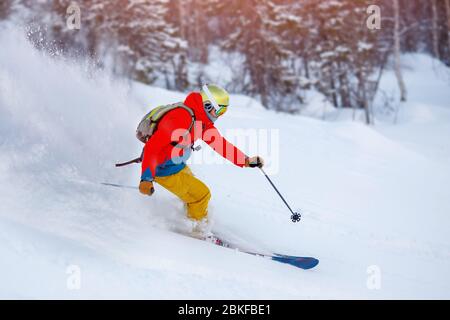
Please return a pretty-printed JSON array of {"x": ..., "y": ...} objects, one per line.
[
  {"x": 310, "y": 263},
  {"x": 305, "y": 263}
]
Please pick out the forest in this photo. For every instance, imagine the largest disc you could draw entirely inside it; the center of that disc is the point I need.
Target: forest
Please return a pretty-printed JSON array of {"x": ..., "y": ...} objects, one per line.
[{"x": 277, "y": 50}]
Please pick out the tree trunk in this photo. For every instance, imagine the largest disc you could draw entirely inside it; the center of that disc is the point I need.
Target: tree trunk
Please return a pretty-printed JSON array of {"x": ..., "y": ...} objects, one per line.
[
  {"x": 5, "y": 9},
  {"x": 182, "y": 15},
  {"x": 362, "y": 98},
  {"x": 367, "y": 112},
  {"x": 333, "y": 93},
  {"x": 343, "y": 87},
  {"x": 397, "y": 53},
  {"x": 307, "y": 73},
  {"x": 435, "y": 33},
  {"x": 447, "y": 7}
]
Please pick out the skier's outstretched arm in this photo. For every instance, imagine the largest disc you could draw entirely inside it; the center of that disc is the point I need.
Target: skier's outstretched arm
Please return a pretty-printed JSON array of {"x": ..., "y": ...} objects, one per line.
[{"x": 223, "y": 147}]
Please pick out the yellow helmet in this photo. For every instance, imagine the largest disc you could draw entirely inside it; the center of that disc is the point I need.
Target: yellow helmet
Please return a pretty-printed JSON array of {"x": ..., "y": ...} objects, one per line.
[{"x": 218, "y": 96}]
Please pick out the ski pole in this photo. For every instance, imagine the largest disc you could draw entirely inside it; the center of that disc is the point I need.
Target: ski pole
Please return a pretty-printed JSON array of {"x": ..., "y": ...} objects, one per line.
[
  {"x": 296, "y": 217},
  {"x": 137, "y": 160},
  {"x": 118, "y": 186}
]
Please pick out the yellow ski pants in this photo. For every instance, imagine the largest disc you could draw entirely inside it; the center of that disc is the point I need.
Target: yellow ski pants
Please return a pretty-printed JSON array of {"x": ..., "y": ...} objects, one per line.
[{"x": 193, "y": 192}]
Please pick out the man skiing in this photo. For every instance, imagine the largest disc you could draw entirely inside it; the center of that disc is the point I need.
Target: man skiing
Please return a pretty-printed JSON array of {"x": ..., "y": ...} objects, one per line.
[{"x": 170, "y": 145}]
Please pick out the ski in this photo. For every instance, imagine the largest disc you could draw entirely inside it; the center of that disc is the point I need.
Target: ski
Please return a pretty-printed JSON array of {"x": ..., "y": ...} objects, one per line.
[
  {"x": 304, "y": 263},
  {"x": 299, "y": 262}
]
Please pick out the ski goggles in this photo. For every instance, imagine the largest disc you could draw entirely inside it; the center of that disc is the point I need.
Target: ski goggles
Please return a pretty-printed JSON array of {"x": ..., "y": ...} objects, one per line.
[
  {"x": 217, "y": 112},
  {"x": 221, "y": 110}
]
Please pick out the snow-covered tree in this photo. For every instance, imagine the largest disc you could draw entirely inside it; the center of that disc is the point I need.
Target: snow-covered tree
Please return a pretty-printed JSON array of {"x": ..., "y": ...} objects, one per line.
[
  {"x": 344, "y": 56},
  {"x": 285, "y": 47},
  {"x": 257, "y": 32},
  {"x": 6, "y": 7},
  {"x": 148, "y": 46}
]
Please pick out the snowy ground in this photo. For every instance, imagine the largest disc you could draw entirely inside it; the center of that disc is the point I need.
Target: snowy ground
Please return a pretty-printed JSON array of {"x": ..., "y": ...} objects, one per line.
[{"x": 376, "y": 201}]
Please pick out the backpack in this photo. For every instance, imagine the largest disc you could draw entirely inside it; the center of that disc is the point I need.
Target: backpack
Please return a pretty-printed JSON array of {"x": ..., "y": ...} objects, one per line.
[{"x": 148, "y": 125}]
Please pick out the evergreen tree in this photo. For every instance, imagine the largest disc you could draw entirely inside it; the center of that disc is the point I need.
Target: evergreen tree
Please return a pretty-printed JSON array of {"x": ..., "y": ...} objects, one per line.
[
  {"x": 257, "y": 35},
  {"x": 150, "y": 47},
  {"x": 285, "y": 46},
  {"x": 6, "y": 7}
]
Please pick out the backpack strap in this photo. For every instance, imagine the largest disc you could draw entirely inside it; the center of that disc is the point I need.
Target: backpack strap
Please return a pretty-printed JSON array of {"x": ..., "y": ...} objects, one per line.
[{"x": 176, "y": 144}]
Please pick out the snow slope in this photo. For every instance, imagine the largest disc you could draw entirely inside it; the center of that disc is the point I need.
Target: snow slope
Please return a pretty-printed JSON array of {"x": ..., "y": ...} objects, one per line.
[
  {"x": 423, "y": 129},
  {"x": 372, "y": 200}
]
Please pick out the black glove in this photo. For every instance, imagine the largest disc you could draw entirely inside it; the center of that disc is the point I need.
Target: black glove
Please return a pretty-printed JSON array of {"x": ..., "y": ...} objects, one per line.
[{"x": 254, "y": 162}]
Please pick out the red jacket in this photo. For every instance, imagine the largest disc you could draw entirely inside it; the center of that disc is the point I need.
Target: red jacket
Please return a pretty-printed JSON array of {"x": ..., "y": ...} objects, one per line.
[{"x": 161, "y": 158}]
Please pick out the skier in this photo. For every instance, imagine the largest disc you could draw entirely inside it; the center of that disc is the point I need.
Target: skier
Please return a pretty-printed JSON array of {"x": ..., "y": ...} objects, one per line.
[{"x": 170, "y": 145}]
